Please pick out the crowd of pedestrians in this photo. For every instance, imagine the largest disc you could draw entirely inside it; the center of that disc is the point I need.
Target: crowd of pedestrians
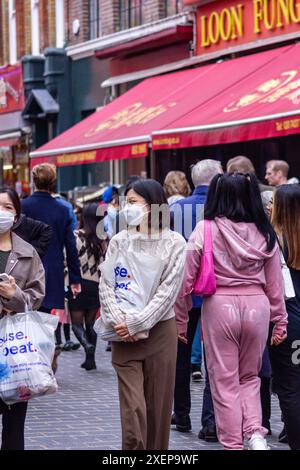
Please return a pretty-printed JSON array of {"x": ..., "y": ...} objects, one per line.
[{"x": 128, "y": 270}]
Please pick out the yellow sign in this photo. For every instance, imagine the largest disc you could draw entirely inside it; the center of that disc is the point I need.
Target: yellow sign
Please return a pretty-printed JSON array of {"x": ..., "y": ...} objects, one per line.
[
  {"x": 167, "y": 141},
  {"x": 132, "y": 115},
  {"x": 139, "y": 149},
  {"x": 287, "y": 124},
  {"x": 232, "y": 23}
]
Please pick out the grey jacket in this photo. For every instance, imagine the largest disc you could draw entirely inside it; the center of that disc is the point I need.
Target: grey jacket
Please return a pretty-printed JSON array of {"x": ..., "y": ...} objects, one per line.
[{"x": 25, "y": 266}]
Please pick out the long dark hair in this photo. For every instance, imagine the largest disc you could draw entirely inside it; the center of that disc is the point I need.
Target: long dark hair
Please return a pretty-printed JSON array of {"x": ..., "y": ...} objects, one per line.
[
  {"x": 89, "y": 222},
  {"x": 286, "y": 220},
  {"x": 13, "y": 196},
  {"x": 153, "y": 193},
  {"x": 237, "y": 197}
]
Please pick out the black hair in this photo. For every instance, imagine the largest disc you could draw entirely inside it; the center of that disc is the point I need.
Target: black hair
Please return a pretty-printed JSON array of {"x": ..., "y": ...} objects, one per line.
[
  {"x": 89, "y": 222},
  {"x": 154, "y": 194},
  {"x": 286, "y": 220},
  {"x": 237, "y": 197},
  {"x": 13, "y": 196},
  {"x": 130, "y": 182}
]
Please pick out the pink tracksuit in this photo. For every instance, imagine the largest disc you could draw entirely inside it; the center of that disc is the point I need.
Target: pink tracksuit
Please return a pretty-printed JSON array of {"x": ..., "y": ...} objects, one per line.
[{"x": 235, "y": 321}]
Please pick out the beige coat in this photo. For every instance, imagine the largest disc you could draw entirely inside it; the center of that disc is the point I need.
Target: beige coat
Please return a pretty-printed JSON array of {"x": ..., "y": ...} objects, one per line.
[{"x": 25, "y": 265}]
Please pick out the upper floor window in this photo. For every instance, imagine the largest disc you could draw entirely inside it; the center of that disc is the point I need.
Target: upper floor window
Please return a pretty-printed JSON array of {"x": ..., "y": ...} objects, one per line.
[
  {"x": 172, "y": 7},
  {"x": 94, "y": 19},
  {"x": 130, "y": 13}
]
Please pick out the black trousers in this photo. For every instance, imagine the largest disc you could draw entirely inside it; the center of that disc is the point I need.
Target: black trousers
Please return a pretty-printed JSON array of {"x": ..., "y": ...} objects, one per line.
[
  {"x": 13, "y": 424},
  {"x": 285, "y": 360},
  {"x": 182, "y": 395},
  {"x": 265, "y": 400}
]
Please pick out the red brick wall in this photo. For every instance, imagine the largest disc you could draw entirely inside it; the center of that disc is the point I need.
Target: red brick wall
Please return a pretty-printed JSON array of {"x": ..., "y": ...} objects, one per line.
[
  {"x": 27, "y": 32},
  {"x": 20, "y": 20},
  {"x": 109, "y": 16},
  {"x": 44, "y": 24},
  {"x": 1, "y": 35},
  {"x": 153, "y": 10},
  {"x": 23, "y": 28},
  {"x": 77, "y": 9},
  {"x": 51, "y": 24},
  {"x": 47, "y": 24}
]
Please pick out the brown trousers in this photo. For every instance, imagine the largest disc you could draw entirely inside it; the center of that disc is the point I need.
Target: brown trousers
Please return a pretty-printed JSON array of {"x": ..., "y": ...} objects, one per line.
[{"x": 146, "y": 375}]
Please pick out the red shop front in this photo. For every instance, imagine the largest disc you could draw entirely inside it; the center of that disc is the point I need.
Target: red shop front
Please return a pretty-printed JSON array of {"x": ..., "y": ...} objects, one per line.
[
  {"x": 227, "y": 30},
  {"x": 14, "y": 153}
]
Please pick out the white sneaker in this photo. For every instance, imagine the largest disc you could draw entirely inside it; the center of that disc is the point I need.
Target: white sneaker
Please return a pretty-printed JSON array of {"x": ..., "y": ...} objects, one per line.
[{"x": 257, "y": 442}]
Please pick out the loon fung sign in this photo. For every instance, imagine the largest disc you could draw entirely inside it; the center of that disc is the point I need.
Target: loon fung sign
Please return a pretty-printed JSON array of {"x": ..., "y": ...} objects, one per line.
[{"x": 227, "y": 23}]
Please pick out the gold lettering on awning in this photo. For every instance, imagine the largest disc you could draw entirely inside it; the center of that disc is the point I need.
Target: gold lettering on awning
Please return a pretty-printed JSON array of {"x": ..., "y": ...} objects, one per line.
[{"x": 73, "y": 158}]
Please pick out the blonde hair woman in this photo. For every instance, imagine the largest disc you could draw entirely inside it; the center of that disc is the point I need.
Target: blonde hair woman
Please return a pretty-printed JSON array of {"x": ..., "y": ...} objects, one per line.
[{"x": 176, "y": 186}]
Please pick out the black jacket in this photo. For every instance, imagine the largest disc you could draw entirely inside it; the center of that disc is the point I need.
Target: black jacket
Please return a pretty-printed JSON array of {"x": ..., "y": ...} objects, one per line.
[{"x": 34, "y": 232}]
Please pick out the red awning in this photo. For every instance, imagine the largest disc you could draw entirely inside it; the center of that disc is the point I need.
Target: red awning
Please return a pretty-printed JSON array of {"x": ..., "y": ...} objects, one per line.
[
  {"x": 262, "y": 105},
  {"x": 8, "y": 142},
  {"x": 252, "y": 97}
]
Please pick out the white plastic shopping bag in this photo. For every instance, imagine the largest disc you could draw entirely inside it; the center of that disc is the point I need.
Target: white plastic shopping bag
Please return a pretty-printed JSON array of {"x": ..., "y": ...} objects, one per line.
[
  {"x": 26, "y": 353},
  {"x": 132, "y": 285},
  {"x": 288, "y": 286}
]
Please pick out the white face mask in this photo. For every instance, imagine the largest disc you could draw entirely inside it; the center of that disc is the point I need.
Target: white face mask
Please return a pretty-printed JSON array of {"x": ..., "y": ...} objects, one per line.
[
  {"x": 134, "y": 214},
  {"x": 6, "y": 221},
  {"x": 112, "y": 212}
]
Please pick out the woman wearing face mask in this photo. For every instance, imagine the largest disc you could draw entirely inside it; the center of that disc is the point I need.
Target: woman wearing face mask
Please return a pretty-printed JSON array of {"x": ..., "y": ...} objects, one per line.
[
  {"x": 83, "y": 309},
  {"x": 25, "y": 286},
  {"x": 111, "y": 198},
  {"x": 139, "y": 282}
]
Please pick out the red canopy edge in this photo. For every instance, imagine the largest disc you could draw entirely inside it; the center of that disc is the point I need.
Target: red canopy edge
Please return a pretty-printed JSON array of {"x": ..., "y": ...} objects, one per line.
[
  {"x": 8, "y": 142},
  {"x": 249, "y": 98},
  {"x": 135, "y": 150},
  {"x": 203, "y": 136}
]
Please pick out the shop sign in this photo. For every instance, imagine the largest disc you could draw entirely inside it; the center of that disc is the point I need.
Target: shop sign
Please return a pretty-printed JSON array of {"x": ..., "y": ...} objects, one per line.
[
  {"x": 225, "y": 24},
  {"x": 11, "y": 89},
  {"x": 76, "y": 158}
]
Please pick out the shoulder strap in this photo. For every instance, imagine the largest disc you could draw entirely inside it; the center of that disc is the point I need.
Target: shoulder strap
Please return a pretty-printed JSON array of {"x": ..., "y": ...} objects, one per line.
[{"x": 207, "y": 244}]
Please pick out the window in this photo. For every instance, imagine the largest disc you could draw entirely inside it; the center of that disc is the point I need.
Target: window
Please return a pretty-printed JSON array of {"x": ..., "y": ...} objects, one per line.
[
  {"x": 94, "y": 19},
  {"x": 130, "y": 13},
  {"x": 172, "y": 7}
]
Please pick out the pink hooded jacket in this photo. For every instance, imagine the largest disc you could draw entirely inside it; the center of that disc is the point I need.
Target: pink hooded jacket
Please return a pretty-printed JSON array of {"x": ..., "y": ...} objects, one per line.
[{"x": 241, "y": 262}]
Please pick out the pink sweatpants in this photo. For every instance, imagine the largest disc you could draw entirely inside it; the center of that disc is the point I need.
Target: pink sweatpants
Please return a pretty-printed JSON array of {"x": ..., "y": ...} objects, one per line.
[{"x": 235, "y": 330}]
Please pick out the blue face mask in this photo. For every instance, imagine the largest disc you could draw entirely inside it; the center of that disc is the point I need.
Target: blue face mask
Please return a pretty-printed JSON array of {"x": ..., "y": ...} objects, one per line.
[{"x": 112, "y": 212}]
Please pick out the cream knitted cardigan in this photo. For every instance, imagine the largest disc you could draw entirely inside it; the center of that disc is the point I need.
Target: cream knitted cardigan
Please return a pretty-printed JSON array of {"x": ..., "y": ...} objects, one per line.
[{"x": 170, "y": 247}]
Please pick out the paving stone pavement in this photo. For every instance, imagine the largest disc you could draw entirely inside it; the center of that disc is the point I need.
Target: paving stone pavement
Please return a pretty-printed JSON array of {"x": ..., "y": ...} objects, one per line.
[{"x": 84, "y": 413}]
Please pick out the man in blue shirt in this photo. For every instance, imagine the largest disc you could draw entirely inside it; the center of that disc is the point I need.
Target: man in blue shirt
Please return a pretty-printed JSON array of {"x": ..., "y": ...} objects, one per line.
[{"x": 187, "y": 213}]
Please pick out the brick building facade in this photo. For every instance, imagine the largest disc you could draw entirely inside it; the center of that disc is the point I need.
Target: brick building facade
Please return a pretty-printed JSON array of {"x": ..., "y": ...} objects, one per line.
[
  {"x": 109, "y": 15},
  {"x": 23, "y": 9},
  {"x": 75, "y": 30}
]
